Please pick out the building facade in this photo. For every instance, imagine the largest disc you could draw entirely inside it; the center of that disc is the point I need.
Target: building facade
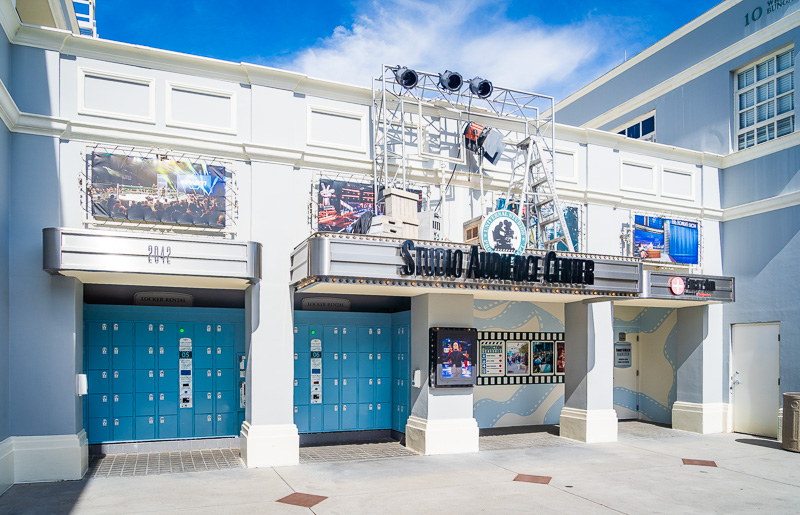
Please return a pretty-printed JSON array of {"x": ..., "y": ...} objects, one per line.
[{"x": 182, "y": 263}]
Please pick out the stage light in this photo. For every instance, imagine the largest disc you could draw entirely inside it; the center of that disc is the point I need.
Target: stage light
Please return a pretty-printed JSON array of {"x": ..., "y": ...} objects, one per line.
[
  {"x": 450, "y": 81},
  {"x": 480, "y": 87},
  {"x": 406, "y": 77}
]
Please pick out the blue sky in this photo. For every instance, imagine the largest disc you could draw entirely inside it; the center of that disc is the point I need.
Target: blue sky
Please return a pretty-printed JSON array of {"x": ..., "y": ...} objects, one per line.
[{"x": 552, "y": 47}]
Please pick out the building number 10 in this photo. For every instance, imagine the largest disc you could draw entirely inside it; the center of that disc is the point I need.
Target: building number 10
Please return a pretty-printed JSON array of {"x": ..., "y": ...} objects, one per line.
[
  {"x": 158, "y": 254},
  {"x": 754, "y": 16}
]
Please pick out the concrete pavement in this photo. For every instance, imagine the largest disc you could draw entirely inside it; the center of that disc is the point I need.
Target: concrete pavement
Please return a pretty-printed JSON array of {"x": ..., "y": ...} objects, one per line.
[{"x": 642, "y": 473}]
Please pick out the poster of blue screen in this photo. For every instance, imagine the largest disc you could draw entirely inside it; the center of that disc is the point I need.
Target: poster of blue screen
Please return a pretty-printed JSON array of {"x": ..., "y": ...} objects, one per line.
[{"x": 666, "y": 240}]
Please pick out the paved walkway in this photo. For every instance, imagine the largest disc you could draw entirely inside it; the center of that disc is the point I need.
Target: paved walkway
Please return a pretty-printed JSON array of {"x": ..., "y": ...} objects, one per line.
[{"x": 645, "y": 472}]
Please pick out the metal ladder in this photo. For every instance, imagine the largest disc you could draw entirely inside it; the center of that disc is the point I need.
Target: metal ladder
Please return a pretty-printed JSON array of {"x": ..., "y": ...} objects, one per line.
[{"x": 533, "y": 179}]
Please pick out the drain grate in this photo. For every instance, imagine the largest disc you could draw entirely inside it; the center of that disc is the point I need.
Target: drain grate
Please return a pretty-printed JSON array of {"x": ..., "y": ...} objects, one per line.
[
  {"x": 353, "y": 452},
  {"x": 167, "y": 462}
]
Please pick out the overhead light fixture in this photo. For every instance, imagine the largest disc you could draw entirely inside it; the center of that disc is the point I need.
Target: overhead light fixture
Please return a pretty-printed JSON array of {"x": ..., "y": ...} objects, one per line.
[
  {"x": 480, "y": 139},
  {"x": 406, "y": 77},
  {"x": 482, "y": 88},
  {"x": 451, "y": 81}
]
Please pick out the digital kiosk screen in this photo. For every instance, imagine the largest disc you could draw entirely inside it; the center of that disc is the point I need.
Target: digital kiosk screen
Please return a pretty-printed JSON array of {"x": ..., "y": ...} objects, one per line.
[{"x": 453, "y": 356}]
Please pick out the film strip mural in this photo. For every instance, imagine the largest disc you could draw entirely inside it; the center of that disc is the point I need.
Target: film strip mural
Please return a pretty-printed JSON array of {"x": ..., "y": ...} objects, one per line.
[{"x": 520, "y": 358}]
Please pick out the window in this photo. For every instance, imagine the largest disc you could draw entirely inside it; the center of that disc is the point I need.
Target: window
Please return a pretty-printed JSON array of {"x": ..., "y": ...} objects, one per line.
[
  {"x": 642, "y": 129},
  {"x": 765, "y": 100}
]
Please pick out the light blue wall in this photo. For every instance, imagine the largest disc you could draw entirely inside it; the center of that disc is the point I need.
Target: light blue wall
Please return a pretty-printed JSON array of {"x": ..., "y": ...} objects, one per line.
[
  {"x": 34, "y": 80},
  {"x": 762, "y": 253},
  {"x": 699, "y": 114},
  {"x": 4, "y": 202},
  {"x": 45, "y": 320},
  {"x": 768, "y": 176}
]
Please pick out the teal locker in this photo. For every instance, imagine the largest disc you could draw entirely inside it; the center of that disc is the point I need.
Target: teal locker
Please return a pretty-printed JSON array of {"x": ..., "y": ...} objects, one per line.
[
  {"x": 144, "y": 344},
  {"x": 121, "y": 357},
  {"x": 203, "y": 425},
  {"x": 223, "y": 357},
  {"x": 383, "y": 364},
  {"x": 301, "y": 418},
  {"x": 203, "y": 379},
  {"x": 98, "y": 381},
  {"x": 349, "y": 338},
  {"x": 225, "y": 402},
  {"x": 366, "y": 389},
  {"x": 99, "y": 405},
  {"x": 168, "y": 403},
  {"x": 330, "y": 340},
  {"x": 301, "y": 338},
  {"x": 366, "y": 364},
  {"x": 366, "y": 339},
  {"x": 99, "y": 430},
  {"x": 97, "y": 357},
  {"x": 122, "y": 381},
  {"x": 187, "y": 421},
  {"x": 145, "y": 356},
  {"x": 145, "y": 380},
  {"x": 167, "y": 426},
  {"x": 97, "y": 334},
  {"x": 226, "y": 425},
  {"x": 315, "y": 418},
  {"x": 223, "y": 379},
  {"x": 383, "y": 339},
  {"x": 145, "y": 428},
  {"x": 366, "y": 416},
  {"x": 122, "y": 430},
  {"x": 168, "y": 380},
  {"x": 203, "y": 402},
  {"x": 330, "y": 417},
  {"x": 224, "y": 335},
  {"x": 330, "y": 391},
  {"x": 145, "y": 404},
  {"x": 383, "y": 415},
  {"x": 349, "y": 416},
  {"x": 349, "y": 390},
  {"x": 330, "y": 365},
  {"x": 302, "y": 365},
  {"x": 122, "y": 334},
  {"x": 122, "y": 405},
  {"x": 167, "y": 356},
  {"x": 349, "y": 364},
  {"x": 203, "y": 356},
  {"x": 302, "y": 391},
  {"x": 383, "y": 389}
]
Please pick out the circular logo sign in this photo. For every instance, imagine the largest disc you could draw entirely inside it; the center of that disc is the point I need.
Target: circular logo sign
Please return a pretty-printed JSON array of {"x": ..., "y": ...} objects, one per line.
[
  {"x": 677, "y": 285},
  {"x": 503, "y": 232}
]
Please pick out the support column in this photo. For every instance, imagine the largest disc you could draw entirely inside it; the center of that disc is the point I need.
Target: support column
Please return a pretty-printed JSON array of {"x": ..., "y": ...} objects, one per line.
[
  {"x": 588, "y": 414},
  {"x": 441, "y": 420},
  {"x": 699, "y": 407}
]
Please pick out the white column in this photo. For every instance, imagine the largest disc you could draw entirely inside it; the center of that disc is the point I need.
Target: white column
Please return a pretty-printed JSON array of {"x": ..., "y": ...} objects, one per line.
[
  {"x": 441, "y": 420},
  {"x": 588, "y": 414},
  {"x": 699, "y": 406}
]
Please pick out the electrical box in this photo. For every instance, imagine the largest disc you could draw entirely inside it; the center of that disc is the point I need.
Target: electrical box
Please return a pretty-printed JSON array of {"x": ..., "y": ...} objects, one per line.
[{"x": 316, "y": 371}]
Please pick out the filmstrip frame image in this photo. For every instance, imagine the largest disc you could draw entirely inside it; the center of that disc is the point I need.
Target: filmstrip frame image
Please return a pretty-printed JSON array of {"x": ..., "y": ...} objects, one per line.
[{"x": 519, "y": 348}]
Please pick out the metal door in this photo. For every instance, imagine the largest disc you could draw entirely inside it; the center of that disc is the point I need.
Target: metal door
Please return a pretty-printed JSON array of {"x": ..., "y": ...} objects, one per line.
[
  {"x": 626, "y": 386},
  {"x": 755, "y": 378}
]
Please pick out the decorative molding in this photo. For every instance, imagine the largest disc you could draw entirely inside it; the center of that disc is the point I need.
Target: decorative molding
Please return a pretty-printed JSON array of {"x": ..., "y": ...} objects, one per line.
[
  {"x": 6, "y": 464},
  {"x": 762, "y": 150},
  {"x": 690, "y": 173},
  {"x": 218, "y": 93},
  {"x": 761, "y": 206},
  {"x": 699, "y": 418},
  {"x": 653, "y": 190},
  {"x": 719, "y": 59},
  {"x": 9, "y": 19},
  {"x": 84, "y": 73},
  {"x": 360, "y": 117},
  {"x": 50, "y": 457}
]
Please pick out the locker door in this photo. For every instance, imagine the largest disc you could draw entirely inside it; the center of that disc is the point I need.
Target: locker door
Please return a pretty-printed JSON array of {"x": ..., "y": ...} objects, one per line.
[
  {"x": 203, "y": 346},
  {"x": 168, "y": 426},
  {"x": 349, "y": 390},
  {"x": 122, "y": 334},
  {"x": 224, "y": 334},
  {"x": 99, "y": 405},
  {"x": 99, "y": 430},
  {"x": 121, "y": 357},
  {"x": 98, "y": 357},
  {"x": 349, "y": 416},
  {"x": 122, "y": 429},
  {"x": 366, "y": 389},
  {"x": 122, "y": 405},
  {"x": 349, "y": 339},
  {"x": 168, "y": 380},
  {"x": 383, "y": 364},
  {"x": 203, "y": 425},
  {"x": 301, "y": 418},
  {"x": 403, "y": 418},
  {"x": 187, "y": 421},
  {"x": 122, "y": 381},
  {"x": 383, "y": 415},
  {"x": 145, "y": 404},
  {"x": 145, "y": 381},
  {"x": 97, "y": 334},
  {"x": 383, "y": 339},
  {"x": 315, "y": 413},
  {"x": 168, "y": 344},
  {"x": 223, "y": 379},
  {"x": 366, "y": 416},
  {"x": 330, "y": 365},
  {"x": 226, "y": 424},
  {"x": 330, "y": 391},
  {"x": 383, "y": 389},
  {"x": 203, "y": 402},
  {"x": 168, "y": 403},
  {"x": 330, "y": 417},
  {"x": 203, "y": 379},
  {"x": 98, "y": 381},
  {"x": 331, "y": 339},
  {"x": 224, "y": 402},
  {"x": 145, "y": 428},
  {"x": 366, "y": 352},
  {"x": 145, "y": 345},
  {"x": 302, "y": 364},
  {"x": 349, "y": 364},
  {"x": 302, "y": 392},
  {"x": 223, "y": 357}
]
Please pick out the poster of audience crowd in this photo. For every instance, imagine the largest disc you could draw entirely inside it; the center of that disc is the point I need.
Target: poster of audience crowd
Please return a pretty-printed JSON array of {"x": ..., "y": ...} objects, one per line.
[{"x": 125, "y": 188}]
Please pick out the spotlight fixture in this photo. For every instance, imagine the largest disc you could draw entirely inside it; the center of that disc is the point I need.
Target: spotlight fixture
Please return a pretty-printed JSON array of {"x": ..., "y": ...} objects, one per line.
[
  {"x": 451, "y": 81},
  {"x": 482, "y": 88},
  {"x": 406, "y": 77}
]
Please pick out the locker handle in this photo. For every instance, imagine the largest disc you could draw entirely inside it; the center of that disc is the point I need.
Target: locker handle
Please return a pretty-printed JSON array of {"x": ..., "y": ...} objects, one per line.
[
  {"x": 104, "y": 375},
  {"x": 370, "y": 356},
  {"x": 344, "y": 407},
  {"x": 161, "y": 420},
  {"x": 209, "y": 418},
  {"x": 336, "y": 408},
  {"x": 208, "y": 373},
  {"x": 150, "y": 373},
  {"x": 370, "y": 407},
  {"x": 150, "y": 350},
  {"x": 116, "y": 421},
  {"x": 116, "y": 374},
  {"x": 336, "y": 356},
  {"x": 344, "y": 355},
  {"x": 219, "y": 350},
  {"x": 104, "y": 351},
  {"x": 370, "y": 381},
  {"x": 105, "y": 422},
  {"x": 208, "y": 351},
  {"x": 344, "y": 382},
  {"x": 160, "y": 373},
  {"x": 335, "y": 382},
  {"x": 379, "y": 355},
  {"x": 151, "y": 420},
  {"x": 295, "y": 409},
  {"x": 161, "y": 397},
  {"x": 295, "y": 382},
  {"x": 219, "y": 418},
  {"x": 150, "y": 397},
  {"x": 209, "y": 396},
  {"x": 219, "y": 395},
  {"x": 219, "y": 373},
  {"x": 105, "y": 398}
]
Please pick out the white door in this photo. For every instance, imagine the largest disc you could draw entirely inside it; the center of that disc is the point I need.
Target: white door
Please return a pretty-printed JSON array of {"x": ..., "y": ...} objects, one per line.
[
  {"x": 626, "y": 386},
  {"x": 756, "y": 371}
]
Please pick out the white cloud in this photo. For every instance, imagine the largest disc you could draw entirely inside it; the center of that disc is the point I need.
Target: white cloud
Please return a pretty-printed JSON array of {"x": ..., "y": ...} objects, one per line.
[{"x": 461, "y": 36}]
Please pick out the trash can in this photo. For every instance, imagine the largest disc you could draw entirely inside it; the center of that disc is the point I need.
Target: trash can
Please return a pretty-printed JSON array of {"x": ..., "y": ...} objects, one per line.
[{"x": 791, "y": 421}]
